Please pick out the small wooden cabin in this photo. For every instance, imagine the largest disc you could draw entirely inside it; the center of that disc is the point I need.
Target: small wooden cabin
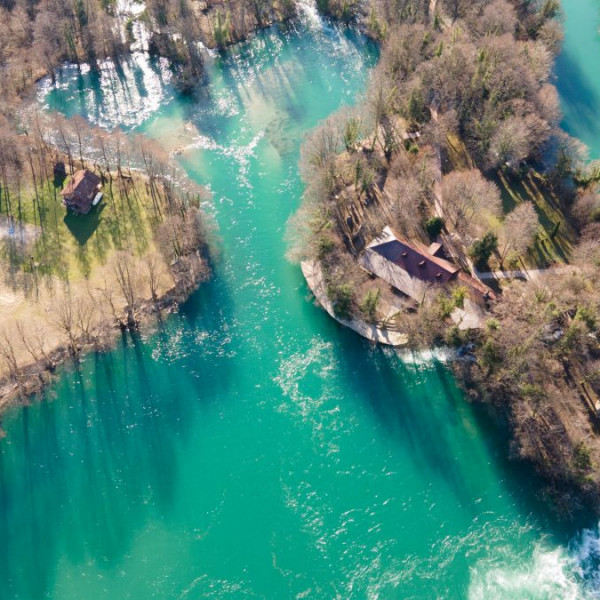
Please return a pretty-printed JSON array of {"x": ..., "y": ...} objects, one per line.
[{"x": 82, "y": 191}]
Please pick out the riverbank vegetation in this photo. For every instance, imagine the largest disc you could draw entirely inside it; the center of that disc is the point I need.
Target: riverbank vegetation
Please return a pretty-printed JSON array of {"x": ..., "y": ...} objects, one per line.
[
  {"x": 36, "y": 38},
  {"x": 459, "y": 112},
  {"x": 457, "y": 146},
  {"x": 71, "y": 280}
]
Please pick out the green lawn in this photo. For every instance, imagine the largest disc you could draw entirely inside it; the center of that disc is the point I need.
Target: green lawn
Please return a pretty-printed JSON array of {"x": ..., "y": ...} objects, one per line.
[
  {"x": 552, "y": 245},
  {"x": 69, "y": 245}
]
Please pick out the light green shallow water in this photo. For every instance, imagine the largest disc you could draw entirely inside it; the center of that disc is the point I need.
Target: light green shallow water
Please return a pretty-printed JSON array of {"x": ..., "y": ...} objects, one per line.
[{"x": 252, "y": 448}]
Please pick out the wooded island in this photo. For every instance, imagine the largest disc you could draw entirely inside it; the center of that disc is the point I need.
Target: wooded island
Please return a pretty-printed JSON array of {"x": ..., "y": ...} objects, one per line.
[{"x": 449, "y": 209}]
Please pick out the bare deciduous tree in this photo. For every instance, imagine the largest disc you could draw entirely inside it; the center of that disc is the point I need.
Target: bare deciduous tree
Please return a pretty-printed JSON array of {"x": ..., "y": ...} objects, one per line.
[
  {"x": 33, "y": 338},
  {"x": 8, "y": 353},
  {"x": 124, "y": 273},
  {"x": 155, "y": 271},
  {"x": 85, "y": 313},
  {"x": 64, "y": 320},
  {"x": 518, "y": 230},
  {"x": 469, "y": 200}
]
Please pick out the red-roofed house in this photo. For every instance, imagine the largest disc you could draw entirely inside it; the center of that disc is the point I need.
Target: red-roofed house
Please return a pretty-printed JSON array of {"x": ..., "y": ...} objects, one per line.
[
  {"x": 413, "y": 270},
  {"x": 82, "y": 191}
]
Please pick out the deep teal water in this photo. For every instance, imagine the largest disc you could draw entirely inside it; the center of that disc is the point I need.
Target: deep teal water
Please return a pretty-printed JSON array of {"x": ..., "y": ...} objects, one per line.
[
  {"x": 578, "y": 72},
  {"x": 251, "y": 447}
]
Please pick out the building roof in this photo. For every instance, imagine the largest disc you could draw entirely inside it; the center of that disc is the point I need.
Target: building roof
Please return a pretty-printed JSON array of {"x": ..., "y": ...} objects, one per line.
[
  {"x": 387, "y": 271},
  {"x": 412, "y": 269},
  {"x": 482, "y": 290},
  {"x": 80, "y": 191},
  {"x": 407, "y": 268},
  {"x": 435, "y": 249},
  {"x": 417, "y": 262}
]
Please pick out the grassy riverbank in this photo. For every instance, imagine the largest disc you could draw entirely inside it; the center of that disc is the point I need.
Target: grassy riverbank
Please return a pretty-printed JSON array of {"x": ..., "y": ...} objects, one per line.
[{"x": 71, "y": 279}]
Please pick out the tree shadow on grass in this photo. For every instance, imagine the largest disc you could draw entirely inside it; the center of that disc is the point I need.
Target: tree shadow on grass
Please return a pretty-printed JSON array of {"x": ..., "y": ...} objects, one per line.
[{"x": 82, "y": 227}]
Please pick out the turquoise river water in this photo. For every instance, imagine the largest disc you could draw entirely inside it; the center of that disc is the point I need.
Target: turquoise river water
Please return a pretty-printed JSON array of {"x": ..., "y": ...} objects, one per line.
[
  {"x": 578, "y": 72},
  {"x": 252, "y": 448}
]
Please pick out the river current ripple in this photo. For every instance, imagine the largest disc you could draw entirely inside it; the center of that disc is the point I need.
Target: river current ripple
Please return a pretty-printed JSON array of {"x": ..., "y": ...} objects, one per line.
[{"x": 270, "y": 452}]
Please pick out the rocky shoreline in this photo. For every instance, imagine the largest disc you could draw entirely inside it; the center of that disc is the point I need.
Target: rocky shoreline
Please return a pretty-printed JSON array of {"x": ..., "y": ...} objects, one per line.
[{"x": 314, "y": 278}]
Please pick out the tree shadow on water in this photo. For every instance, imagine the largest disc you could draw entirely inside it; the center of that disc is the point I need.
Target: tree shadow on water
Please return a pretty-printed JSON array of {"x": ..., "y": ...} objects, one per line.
[
  {"x": 422, "y": 408},
  {"x": 33, "y": 485},
  {"x": 578, "y": 93},
  {"x": 91, "y": 469}
]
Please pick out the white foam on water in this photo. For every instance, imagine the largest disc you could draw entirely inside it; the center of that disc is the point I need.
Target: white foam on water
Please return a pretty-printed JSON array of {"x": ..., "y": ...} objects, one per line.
[
  {"x": 293, "y": 370},
  {"x": 208, "y": 52},
  {"x": 426, "y": 357},
  {"x": 309, "y": 14},
  {"x": 585, "y": 552},
  {"x": 547, "y": 574},
  {"x": 133, "y": 9},
  {"x": 125, "y": 97},
  {"x": 241, "y": 154},
  {"x": 130, "y": 7}
]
